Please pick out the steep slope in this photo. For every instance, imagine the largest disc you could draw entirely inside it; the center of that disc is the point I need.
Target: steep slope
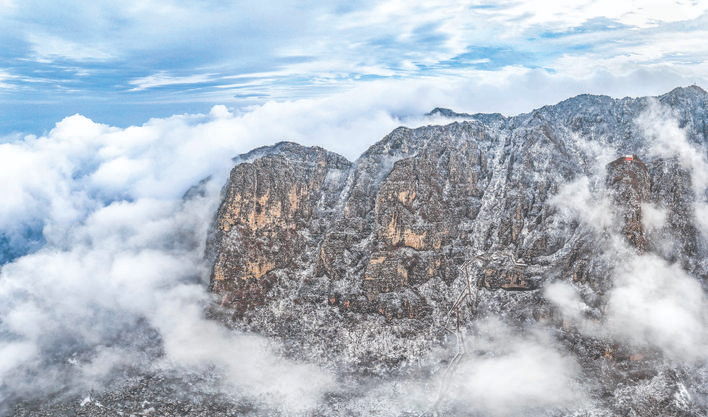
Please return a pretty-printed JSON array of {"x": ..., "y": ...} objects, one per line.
[{"x": 370, "y": 266}]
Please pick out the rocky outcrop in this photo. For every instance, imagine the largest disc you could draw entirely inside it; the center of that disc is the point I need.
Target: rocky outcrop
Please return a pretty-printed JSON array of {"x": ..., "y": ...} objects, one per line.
[
  {"x": 628, "y": 179},
  {"x": 677, "y": 239},
  {"x": 274, "y": 210},
  {"x": 315, "y": 250}
]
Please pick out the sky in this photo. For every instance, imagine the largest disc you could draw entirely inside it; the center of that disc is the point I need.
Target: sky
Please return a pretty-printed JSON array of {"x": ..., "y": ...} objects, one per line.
[{"x": 122, "y": 63}]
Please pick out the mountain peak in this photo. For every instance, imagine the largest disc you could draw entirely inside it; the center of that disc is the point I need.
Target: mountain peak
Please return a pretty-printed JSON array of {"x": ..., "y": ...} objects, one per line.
[
  {"x": 684, "y": 93},
  {"x": 445, "y": 112},
  {"x": 693, "y": 88},
  {"x": 288, "y": 149}
]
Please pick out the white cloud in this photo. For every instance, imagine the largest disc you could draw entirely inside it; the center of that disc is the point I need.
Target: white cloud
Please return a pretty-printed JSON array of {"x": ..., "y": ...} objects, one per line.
[
  {"x": 162, "y": 79},
  {"x": 131, "y": 260},
  {"x": 658, "y": 305},
  {"x": 323, "y": 48},
  {"x": 6, "y": 6},
  {"x": 518, "y": 377},
  {"x": 47, "y": 48},
  {"x": 661, "y": 126},
  {"x": 653, "y": 217},
  {"x": 13, "y": 354},
  {"x": 247, "y": 360},
  {"x": 500, "y": 371},
  {"x": 652, "y": 305},
  {"x": 567, "y": 299},
  {"x": 4, "y": 77},
  {"x": 582, "y": 199},
  {"x": 562, "y": 15}
]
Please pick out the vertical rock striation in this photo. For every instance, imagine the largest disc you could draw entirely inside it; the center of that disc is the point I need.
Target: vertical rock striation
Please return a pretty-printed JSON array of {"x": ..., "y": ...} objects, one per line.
[
  {"x": 628, "y": 179},
  {"x": 274, "y": 209},
  {"x": 359, "y": 264}
]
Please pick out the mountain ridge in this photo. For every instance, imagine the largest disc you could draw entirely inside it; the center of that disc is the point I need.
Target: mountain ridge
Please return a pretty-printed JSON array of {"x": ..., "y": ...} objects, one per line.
[
  {"x": 427, "y": 215},
  {"x": 552, "y": 263}
]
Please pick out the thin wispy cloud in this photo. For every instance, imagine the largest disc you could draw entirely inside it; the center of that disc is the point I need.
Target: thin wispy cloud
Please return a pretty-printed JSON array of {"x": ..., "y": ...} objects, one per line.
[
  {"x": 48, "y": 48},
  {"x": 4, "y": 77},
  {"x": 162, "y": 79},
  {"x": 182, "y": 52}
]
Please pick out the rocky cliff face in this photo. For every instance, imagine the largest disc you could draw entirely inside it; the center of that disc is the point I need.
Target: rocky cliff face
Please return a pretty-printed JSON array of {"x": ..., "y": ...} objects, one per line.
[
  {"x": 369, "y": 266},
  {"x": 275, "y": 211}
]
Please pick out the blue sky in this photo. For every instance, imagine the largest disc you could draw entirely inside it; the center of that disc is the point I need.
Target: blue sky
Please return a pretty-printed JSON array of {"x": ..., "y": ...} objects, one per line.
[{"x": 124, "y": 62}]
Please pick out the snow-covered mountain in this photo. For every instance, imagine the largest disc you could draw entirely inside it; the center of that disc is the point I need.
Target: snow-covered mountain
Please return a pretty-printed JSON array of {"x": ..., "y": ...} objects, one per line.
[
  {"x": 551, "y": 263},
  {"x": 544, "y": 222}
]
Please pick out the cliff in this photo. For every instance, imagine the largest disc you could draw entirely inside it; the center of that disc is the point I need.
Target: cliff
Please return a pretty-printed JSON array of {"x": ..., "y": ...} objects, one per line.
[{"x": 368, "y": 266}]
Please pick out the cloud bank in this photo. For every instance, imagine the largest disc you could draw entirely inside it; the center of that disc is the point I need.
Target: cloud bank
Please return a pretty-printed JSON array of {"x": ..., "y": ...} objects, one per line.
[{"x": 116, "y": 279}]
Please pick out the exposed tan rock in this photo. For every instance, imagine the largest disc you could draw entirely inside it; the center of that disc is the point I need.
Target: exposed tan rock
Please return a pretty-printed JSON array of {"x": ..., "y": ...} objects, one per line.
[{"x": 270, "y": 209}]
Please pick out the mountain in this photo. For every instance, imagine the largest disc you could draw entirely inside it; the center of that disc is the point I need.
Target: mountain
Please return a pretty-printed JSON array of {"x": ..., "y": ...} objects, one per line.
[
  {"x": 373, "y": 267},
  {"x": 547, "y": 264}
]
